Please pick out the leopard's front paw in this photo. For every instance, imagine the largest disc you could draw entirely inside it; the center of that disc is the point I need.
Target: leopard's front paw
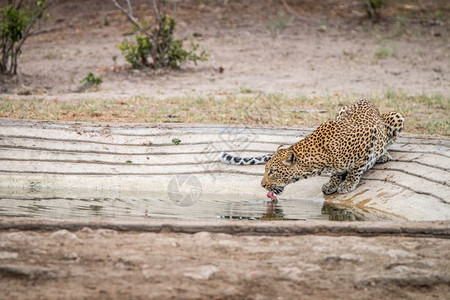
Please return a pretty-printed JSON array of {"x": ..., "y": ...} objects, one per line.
[
  {"x": 332, "y": 185},
  {"x": 329, "y": 188},
  {"x": 346, "y": 187}
]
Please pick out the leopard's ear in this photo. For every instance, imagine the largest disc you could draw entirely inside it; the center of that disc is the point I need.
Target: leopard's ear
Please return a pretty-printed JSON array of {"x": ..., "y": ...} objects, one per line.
[{"x": 289, "y": 158}]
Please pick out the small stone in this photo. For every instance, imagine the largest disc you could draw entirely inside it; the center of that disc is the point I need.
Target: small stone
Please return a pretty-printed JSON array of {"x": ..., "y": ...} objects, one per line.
[
  {"x": 291, "y": 273},
  {"x": 352, "y": 258},
  {"x": 63, "y": 235},
  {"x": 86, "y": 230},
  {"x": 322, "y": 28},
  {"x": 201, "y": 273},
  {"x": 397, "y": 253},
  {"x": 39, "y": 251},
  {"x": 202, "y": 236},
  {"x": 120, "y": 265},
  {"x": 8, "y": 255},
  {"x": 228, "y": 243},
  {"x": 106, "y": 232},
  {"x": 71, "y": 256},
  {"x": 255, "y": 275}
]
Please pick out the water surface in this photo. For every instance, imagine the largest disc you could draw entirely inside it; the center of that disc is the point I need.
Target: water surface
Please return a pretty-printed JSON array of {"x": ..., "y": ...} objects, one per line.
[{"x": 73, "y": 204}]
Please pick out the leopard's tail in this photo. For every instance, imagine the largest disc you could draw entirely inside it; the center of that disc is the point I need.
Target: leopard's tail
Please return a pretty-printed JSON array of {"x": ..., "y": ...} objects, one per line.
[{"x": 236, "y": 160}]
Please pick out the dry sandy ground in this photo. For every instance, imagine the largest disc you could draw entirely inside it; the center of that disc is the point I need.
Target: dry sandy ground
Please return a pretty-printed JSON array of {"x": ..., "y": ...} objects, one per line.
[
  {"x": 106, "y": 264},
  {"x": 327, "y": 47}
]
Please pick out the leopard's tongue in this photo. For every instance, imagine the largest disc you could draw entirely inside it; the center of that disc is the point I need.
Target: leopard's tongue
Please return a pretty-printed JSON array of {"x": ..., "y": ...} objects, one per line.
[{"x": 271, "y": 195}]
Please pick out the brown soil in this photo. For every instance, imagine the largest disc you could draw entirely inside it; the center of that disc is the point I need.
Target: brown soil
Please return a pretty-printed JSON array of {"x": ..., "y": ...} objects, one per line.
[
  {"x": 327, "y": 48},
  {"x": 107, "y": 264}
]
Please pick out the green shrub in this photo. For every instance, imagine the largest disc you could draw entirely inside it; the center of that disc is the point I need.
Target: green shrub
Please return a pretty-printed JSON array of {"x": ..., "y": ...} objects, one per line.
[
  {"x": 91, "y": 81},
  {"x": 159, "y": 45},
  {"x": 17, "y": 19},
  {"x": 373, "y": 8},
  {"x": 136, "y": 53}
]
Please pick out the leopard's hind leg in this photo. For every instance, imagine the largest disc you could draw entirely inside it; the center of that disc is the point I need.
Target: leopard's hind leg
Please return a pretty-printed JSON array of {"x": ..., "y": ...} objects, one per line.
[
  {"x": 393, "y": 123},
  {"x": 384, "y": 158}
]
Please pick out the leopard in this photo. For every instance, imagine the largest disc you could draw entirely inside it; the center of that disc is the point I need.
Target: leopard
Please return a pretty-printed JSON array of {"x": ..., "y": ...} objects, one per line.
[{"x": 345, "y": 147}]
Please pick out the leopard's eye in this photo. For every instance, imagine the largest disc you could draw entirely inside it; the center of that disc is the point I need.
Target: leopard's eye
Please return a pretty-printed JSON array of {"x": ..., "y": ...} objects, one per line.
[{"x": 270, "y": 172}]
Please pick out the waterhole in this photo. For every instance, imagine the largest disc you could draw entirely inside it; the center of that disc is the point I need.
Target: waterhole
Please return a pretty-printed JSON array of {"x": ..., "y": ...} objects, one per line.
[{"x": 138, "y": 205}]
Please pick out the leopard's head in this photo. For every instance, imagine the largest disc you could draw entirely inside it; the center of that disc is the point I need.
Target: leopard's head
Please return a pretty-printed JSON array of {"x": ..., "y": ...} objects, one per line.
[{"x": 282, "y": 169}]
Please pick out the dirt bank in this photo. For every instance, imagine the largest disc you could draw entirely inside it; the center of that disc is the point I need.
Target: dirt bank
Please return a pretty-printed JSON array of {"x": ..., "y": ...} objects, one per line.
[{"x": 104, "y": 263}]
